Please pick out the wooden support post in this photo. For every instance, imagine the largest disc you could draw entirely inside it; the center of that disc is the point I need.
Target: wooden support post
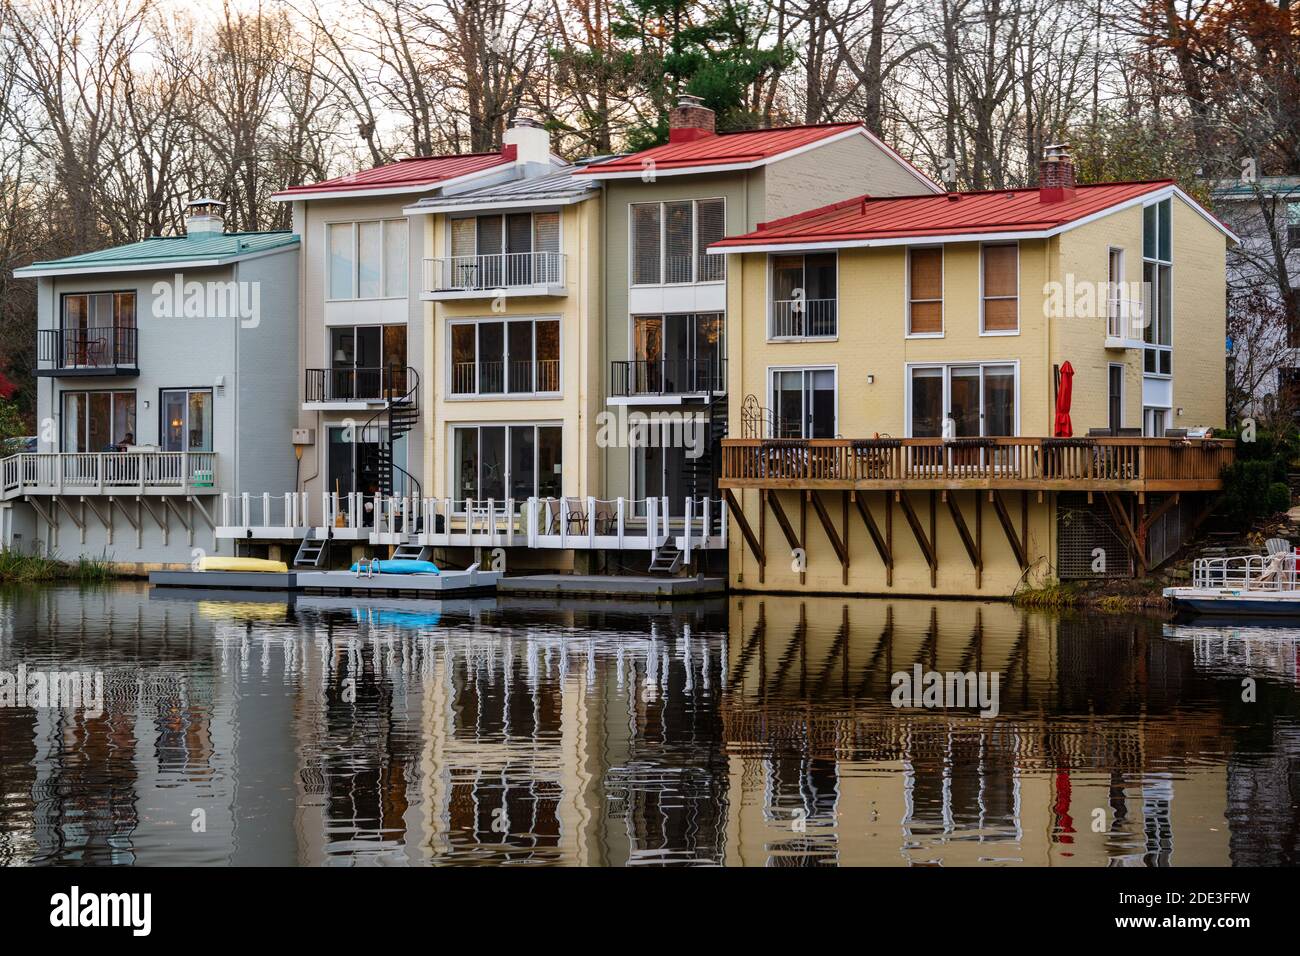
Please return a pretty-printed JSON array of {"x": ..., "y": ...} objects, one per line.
[
  {"x": 803, "y": 536},
  {"x": 1004, "y": 518},
  {"x": 841, "y": 550},
  {"x": 926, "y": 544},
  {"x": 882, "y": 545},
  {"x": 739, "y": 514},
  {"x": 844, "y": 523},
  {"x": 967, "y": 539},
  {"x": 1135, "y": 541},
  {"x": 762, "y": 532}
]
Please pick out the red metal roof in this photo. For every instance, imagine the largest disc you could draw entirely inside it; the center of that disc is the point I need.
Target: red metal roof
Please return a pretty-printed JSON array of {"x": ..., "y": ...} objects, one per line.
[
  {"x": 1007, "y": 210},
  {"x": 724, "y": 149},
  {"x": 406, "y": 174}
]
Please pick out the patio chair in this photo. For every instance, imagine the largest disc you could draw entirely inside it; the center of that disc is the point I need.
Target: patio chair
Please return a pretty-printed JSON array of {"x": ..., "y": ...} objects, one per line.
[{"x": 577, "y": 515}]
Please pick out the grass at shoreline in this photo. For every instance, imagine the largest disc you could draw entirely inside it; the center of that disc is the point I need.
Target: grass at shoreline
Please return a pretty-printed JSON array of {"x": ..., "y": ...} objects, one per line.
[
  {"x": 18, "y": 568},
  {"x": 1081, "y": 594}
]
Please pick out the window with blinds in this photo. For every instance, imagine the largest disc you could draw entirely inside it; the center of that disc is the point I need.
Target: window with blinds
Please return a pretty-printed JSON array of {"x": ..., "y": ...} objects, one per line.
[
  {"x": 1001, "y": 288},
  {"x": 710, "y": 227},
  {"x": 463, "y": 232},
  {"x": 646, "y": 246},
  {"x": 670, "y": 241},
  {"x": 925, "y": 291}
]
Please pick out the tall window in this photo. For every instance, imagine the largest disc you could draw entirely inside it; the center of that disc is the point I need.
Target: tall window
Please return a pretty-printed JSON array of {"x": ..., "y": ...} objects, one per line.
[
  {"x": 804, "y": 296},
  {"x": 1157, "y": 288},
  {"x": 677, "y": 353},
  {"x": 98, "y": 329},
  {"x": 506, "y": 461},
  {"x": 516, "y": 357},
  {"x": 514, "y": 249},
  {"x": 670, "y": 240},
  {"x": 803, "y": 403},
  {"x": 1001, "y": 305},
  {"x": 1118, "y": 308},
  {"x": 366, "y": 360},
  {"x": 98, "y": 421},
  {"x": 979, "y": 400},
  {"x": 367, "y": 260},
  {"x": 925, "y": 291},
  {"x": 186, "y": 419}
]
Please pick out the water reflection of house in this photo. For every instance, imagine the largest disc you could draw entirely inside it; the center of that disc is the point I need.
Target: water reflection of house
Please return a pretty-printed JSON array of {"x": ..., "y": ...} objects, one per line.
[{"x": 1071, "y": 744}]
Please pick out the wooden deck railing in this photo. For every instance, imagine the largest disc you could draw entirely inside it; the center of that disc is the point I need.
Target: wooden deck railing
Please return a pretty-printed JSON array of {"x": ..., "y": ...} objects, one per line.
[
  {"x": 95, "y": 473},
  {"x": 1085, "y": 464}
]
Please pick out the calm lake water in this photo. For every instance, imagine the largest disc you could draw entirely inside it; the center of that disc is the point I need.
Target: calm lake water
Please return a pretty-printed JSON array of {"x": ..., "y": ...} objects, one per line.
[{"x": 747, "y": 732}]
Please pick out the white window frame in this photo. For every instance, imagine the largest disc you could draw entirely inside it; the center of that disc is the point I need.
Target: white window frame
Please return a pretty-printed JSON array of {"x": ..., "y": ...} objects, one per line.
[
  {"x": 771, "y": 302},
  {"x": 663, "y": 243},
  {"x": 458, "y": 508},
  {"x": 384, "y": 224},
  {"x": 772, "y": 371},
  {"x": 1153, "y": 319},
  {"x": 450, "y": 366},
  {"x": 945, "y": 369},
  {"x": 943, "y": 290},
  {"x": 502, "y": 213},
  {"x": 984, "y": 299}
]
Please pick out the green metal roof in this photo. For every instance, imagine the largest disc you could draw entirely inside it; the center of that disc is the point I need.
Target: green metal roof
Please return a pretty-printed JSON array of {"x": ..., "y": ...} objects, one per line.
[{"x": 201, "y": 249}]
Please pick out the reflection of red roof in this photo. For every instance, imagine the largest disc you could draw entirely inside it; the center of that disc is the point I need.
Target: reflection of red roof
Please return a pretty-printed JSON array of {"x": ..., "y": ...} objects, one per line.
[
  {"x": 731, "y": 151},
  {"x": 406, "y": 175},
  {"x": 1009, "y": 211}
]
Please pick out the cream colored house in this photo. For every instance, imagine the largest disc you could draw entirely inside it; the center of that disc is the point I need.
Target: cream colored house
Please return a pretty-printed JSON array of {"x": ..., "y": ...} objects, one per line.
[{"x": 896, "y": 373}]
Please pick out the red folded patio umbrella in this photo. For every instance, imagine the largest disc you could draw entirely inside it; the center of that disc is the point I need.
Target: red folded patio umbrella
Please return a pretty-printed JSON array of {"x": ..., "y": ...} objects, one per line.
[{"x": 1063, "y": 427}]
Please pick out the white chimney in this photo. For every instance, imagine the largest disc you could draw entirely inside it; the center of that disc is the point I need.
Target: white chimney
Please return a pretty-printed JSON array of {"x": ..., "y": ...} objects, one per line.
[
  {"x": 203, "y": 216},
  {"x": 532, "y": 143}
]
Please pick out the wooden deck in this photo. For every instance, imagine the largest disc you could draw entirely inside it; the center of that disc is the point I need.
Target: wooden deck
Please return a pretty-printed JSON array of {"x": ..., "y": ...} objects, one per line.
[{"x": 1022, "y": 464}]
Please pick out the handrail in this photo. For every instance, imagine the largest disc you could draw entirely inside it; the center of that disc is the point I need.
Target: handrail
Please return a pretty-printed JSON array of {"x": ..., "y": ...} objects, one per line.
[
  {"x": 1252, "y": 572},
  {"x": 108, "y": 347},
  {"x": 93, "y": 472},
  {"x": 1005, "y": 459},
  {"x": 410, "y": 398},
  {"x": 502, "y": 270}
]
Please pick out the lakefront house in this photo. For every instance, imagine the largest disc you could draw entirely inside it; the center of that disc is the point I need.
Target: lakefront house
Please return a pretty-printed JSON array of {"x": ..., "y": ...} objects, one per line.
[
  {"x": 160, "y": 387},
  {"x": 967, "y": 393}
]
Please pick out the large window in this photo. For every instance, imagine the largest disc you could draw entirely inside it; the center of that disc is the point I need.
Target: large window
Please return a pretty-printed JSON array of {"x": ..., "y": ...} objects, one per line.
[
  {"x": 678, "y": 353},
  {"x": 980, "y": 400},
  {"x": 925, "y": 291},
  {"x": 186, "y": 419},
  {"x": 506, "y": 461},
  {"x": 501, "y": 251},
  {"x": 1157, "y": 289},
  {"x": 366, "y": 361},
  {"x": 669, "y": 241},
  {"x": 367, "y": 260},
  {"x": 98, "y": 421},
  {"x": 514, "y": 357},
  {"x": 804, "y": 296},
  {"x": 1001, "y": 285},
  {"x": 803, "y": 403},
  {"x": 98, "y": 329}
]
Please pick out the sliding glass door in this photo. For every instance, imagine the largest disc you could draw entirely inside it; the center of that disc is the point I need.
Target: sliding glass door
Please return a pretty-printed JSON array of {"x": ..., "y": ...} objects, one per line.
[
  {"x": 506, "y": 461},
  {"x": 187, "y": 419},
  {"x": 98, "y": 421},
  {"x": 803, "y": 403},
  {"x": 974, "y": 400}
]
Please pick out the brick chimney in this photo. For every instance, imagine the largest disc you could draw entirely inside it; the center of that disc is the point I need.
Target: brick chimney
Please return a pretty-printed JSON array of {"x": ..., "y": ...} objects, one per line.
[
  {"x": 689, "y": 120},
  {"x": 1056, "y": 174}
]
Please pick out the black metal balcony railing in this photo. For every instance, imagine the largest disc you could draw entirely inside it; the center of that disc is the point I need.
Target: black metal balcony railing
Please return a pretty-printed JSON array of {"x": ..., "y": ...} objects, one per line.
[
  {"x": 668, "y": 377},
  {"x": 106, "y": 348},
  {"x": 355, "y": 384}
]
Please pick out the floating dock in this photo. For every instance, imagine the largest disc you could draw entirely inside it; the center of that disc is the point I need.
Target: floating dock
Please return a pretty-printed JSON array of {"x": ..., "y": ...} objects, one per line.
[
  {"x": 637, "y": 587},
  {"x": 333, "y": 582}
]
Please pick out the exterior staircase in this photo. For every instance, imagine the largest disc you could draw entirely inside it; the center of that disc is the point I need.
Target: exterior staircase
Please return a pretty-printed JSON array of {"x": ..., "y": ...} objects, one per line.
[
  {"x": 412, "y": 552},
  {"x": 666, "y": 560},
  {"x": 313, "y": 552},
  {"x": 399, "y": 415},
  {"x": 702, "y": 473}
]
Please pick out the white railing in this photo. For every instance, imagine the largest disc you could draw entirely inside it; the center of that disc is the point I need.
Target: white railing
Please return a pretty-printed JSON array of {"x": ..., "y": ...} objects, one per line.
[
  {"x": 804, "y": 318},
  {"x": 1253, "y": 572},
  {"x": 264, "y": 514},
  {"x": 500, "y": 271},
  {"x": 193, "y": 472},
  {"x": 623, "y": 524}
]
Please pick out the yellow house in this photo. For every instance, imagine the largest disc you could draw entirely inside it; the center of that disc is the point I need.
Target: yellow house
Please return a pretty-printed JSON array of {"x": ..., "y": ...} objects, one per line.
[
  {"x": 898, "y": 368},
  {"x": 511, "y": 362}
]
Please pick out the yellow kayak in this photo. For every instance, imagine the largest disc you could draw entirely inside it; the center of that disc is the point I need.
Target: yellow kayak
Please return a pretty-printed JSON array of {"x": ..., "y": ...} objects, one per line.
[{"x": 210, "y": 563}]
